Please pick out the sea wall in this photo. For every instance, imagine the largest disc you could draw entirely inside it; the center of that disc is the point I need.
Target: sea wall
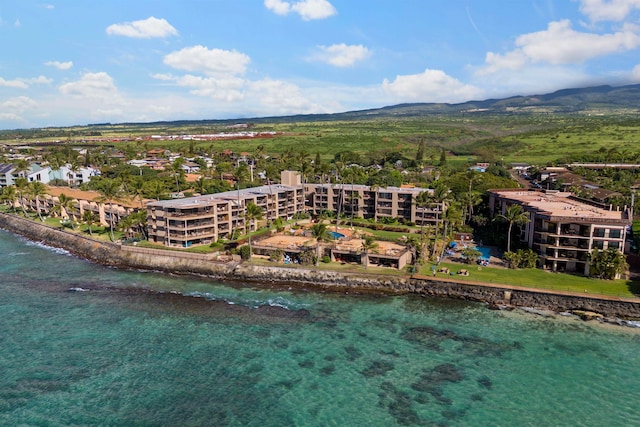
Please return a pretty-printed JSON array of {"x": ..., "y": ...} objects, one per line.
[{"x": 183, "y": 263}]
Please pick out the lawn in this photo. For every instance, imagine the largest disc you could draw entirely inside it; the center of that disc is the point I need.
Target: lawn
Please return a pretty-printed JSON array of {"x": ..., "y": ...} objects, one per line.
[{"x": 540, "y": 279}]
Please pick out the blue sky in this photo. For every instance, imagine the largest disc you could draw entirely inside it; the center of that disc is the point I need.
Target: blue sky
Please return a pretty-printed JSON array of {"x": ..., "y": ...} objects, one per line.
[{"x": 72, "y": 62}]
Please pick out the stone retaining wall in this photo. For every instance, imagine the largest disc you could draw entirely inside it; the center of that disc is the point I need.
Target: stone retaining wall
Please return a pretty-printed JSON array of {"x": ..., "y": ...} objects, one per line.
[{"x": 113, "y": 254}]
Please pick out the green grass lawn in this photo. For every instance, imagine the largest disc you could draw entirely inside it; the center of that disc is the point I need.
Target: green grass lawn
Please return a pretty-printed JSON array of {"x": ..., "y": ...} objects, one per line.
[{"x": 540, "y": 279}]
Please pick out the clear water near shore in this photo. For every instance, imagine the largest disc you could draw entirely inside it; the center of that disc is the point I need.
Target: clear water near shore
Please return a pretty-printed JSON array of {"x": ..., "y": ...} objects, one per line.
[{"x": 147, "y": 349}]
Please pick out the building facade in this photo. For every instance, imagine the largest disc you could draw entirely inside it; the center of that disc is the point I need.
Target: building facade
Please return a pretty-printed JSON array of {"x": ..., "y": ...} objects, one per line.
[
  {"x": 564, "y": 229},
  {"x": 205, "y": 219}
]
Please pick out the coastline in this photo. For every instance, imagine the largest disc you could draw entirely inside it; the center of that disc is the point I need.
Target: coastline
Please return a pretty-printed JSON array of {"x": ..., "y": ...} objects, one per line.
[{"x": 603, "y": 308}]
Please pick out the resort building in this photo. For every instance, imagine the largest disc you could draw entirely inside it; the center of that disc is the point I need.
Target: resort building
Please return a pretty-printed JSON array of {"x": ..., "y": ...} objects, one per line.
[
  {"x": 205, "y": 219},
  {"x": 564, "y": 229},
  {"x": 363, "y": 201}
]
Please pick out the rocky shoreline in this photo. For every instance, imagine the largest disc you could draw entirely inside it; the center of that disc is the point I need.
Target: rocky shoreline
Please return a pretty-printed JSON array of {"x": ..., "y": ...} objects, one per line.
[{"x": 605, "y": 309}]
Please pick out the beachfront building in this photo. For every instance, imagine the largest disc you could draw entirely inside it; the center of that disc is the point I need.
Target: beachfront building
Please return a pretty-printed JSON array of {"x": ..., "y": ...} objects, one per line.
[
  {"x": 9, "y": 173},
  {"x": 363, "y": 201},
  {"x": 564, "y": 229},
  {"x": 205, "y": 219}
]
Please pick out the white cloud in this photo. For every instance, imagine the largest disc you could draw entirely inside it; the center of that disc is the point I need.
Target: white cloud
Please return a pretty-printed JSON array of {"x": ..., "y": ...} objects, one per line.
[
  {"x": 560, "y": 44},
  {"x": 430, "y": 86},
  {"x": 91, "y": 85},
  {"x": 17, "y": 23},
  {"x": 342, "y": 55},
  {"x": 41, "y": 80},
  {"x": 307, "y": 9},
  {"x": 19, "y": 104},
  {"x": 276, "y": 97},
  {"x": 59, "y": 65},
  {"x": 608, "y": 10},
  {"x": 212, "y": 62},
  {"x": 16, "y": 83},
  {"x": 635, "y": 73},
  {"x": 143, "y": 29},
  {"x": 48, "y": 6},
  {"x": 227, "y": 89}
]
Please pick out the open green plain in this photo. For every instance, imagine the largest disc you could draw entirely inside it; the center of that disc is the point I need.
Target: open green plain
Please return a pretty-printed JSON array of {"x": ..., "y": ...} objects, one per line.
[{"x": 535, "y": 139}]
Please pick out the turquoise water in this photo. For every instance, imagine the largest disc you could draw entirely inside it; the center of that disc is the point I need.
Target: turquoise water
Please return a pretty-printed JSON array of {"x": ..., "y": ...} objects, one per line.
[
  {"x": 130, "y": 348},
  {"x": 485, "y": 251},
  {"x": 335, "y": 235}
]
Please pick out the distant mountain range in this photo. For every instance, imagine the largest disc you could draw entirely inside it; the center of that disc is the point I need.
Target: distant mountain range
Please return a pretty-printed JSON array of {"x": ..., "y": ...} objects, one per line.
[
  {"x": 591, "y": 99},
  {"x": 597, "y": 100}
]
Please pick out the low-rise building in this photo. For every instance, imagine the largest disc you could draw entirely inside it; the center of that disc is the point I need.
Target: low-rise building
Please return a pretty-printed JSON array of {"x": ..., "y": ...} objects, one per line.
[{"x": 564, "y": 229}]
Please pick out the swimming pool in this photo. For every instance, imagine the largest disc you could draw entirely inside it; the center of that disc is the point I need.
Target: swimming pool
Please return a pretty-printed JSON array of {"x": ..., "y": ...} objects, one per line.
[
  {"x": 335, "y": 235},
  {"x": 485, "y": 251}
]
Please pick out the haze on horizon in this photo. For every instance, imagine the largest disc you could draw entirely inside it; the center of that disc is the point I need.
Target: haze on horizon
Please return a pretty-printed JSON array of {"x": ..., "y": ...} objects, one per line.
[{"x": 73, "y": 62}]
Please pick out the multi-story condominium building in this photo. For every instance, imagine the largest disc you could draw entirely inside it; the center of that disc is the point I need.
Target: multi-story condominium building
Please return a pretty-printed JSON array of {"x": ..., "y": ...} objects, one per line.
[
  {"x": 206, "y": 219},
  {"x": 363, "y": 201},
  {"x": 564, "y": 229},
  {"x": 9, "y": 173}
]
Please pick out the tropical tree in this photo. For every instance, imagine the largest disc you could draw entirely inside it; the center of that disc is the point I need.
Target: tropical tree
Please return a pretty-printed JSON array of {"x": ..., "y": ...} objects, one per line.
[
  {"x": 320, "y": 233},
  {"x": 471, "y": 254},
  {"x": 155, "y": 188},
  {"x": 36, "y": 190},
  {"x": 10, "y": 196},
  {"x": 369, "y": 244},
  {"x": 64, "y": 206},
  {"x": 607, "y": 264},
  {"x": 22, "y": 187},
  {"x": 110, "y": 192},
  {"x": 90, "y": 218},
  {"x": 252, "y": 213},
  {"x": 513, "y": 215},
  {"x": 137, "y": 188}
]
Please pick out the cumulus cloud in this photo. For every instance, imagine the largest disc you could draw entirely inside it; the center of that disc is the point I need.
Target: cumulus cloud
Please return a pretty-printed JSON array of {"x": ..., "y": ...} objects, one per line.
[
  {"x": 91, "y": 85},
  {"x": 19, "y": 104},
  {"x": 430, "y": 86},
  {"x": 144, "y": 29},
  {"x": 212, "y": 62},
  {"x": 16, "y": 83},
  {"x": 560, "y": 44},
  {"x": 635, "y": 73},
  {"x": 277, "y": 97},
  {"x": 59, "y": 65},
  {"x": 342, "y": 55},
  {"x": 307, "y": 9},
  {"x": 229, "y": 89},
  {"x": 608, "y": 10}
]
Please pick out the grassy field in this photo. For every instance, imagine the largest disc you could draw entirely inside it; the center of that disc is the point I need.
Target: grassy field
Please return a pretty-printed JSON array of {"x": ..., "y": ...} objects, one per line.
[
  {"x": 540, "y": 279},
  {"x": 536, "y": 139}
]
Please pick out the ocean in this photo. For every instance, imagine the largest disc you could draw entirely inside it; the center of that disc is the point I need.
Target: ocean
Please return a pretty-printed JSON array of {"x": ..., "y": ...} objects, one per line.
[{"x": 86, "y": 345}]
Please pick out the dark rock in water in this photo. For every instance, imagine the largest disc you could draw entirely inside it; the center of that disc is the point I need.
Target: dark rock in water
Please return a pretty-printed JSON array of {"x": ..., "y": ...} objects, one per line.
[
  {"x": 433, "y": 380},
  {"x": 328, "y": 370},
  {"x": 308, "y": 363},
  {"x": 476, "y": 397},
  {"x": 377, "y": 368},
  {"x": 399, "y": 405},
  {"x": 272, "y": 311},
  {"x": 485, "y": 382},
  {"x": 352, "y": 353},
  {"x": 330, "y": 357}
]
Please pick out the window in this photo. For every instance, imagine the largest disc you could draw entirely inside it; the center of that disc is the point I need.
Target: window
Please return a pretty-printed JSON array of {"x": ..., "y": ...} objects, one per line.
[{"x": 614, "y": 234}]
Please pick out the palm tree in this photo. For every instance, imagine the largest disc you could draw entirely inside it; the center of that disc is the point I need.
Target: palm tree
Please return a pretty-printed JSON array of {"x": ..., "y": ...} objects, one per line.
[
  {"x": 136, "y": 188},
  {"x": 38, "y": 189},
  {"x": 155, "y": 188},
  {"x": 110, "y": 191},
  {"x": 90, "y": 218},
  {"x": 64, "y": 206},
  {"x": 22, "y": 186},
  {"x": 513, "y": 215},
  {"x": 369, "y": 244},
  {"x": 252, "y": 213},
  {"x": 10, "y": 196},
  {"x": 320, "y": 233}
]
